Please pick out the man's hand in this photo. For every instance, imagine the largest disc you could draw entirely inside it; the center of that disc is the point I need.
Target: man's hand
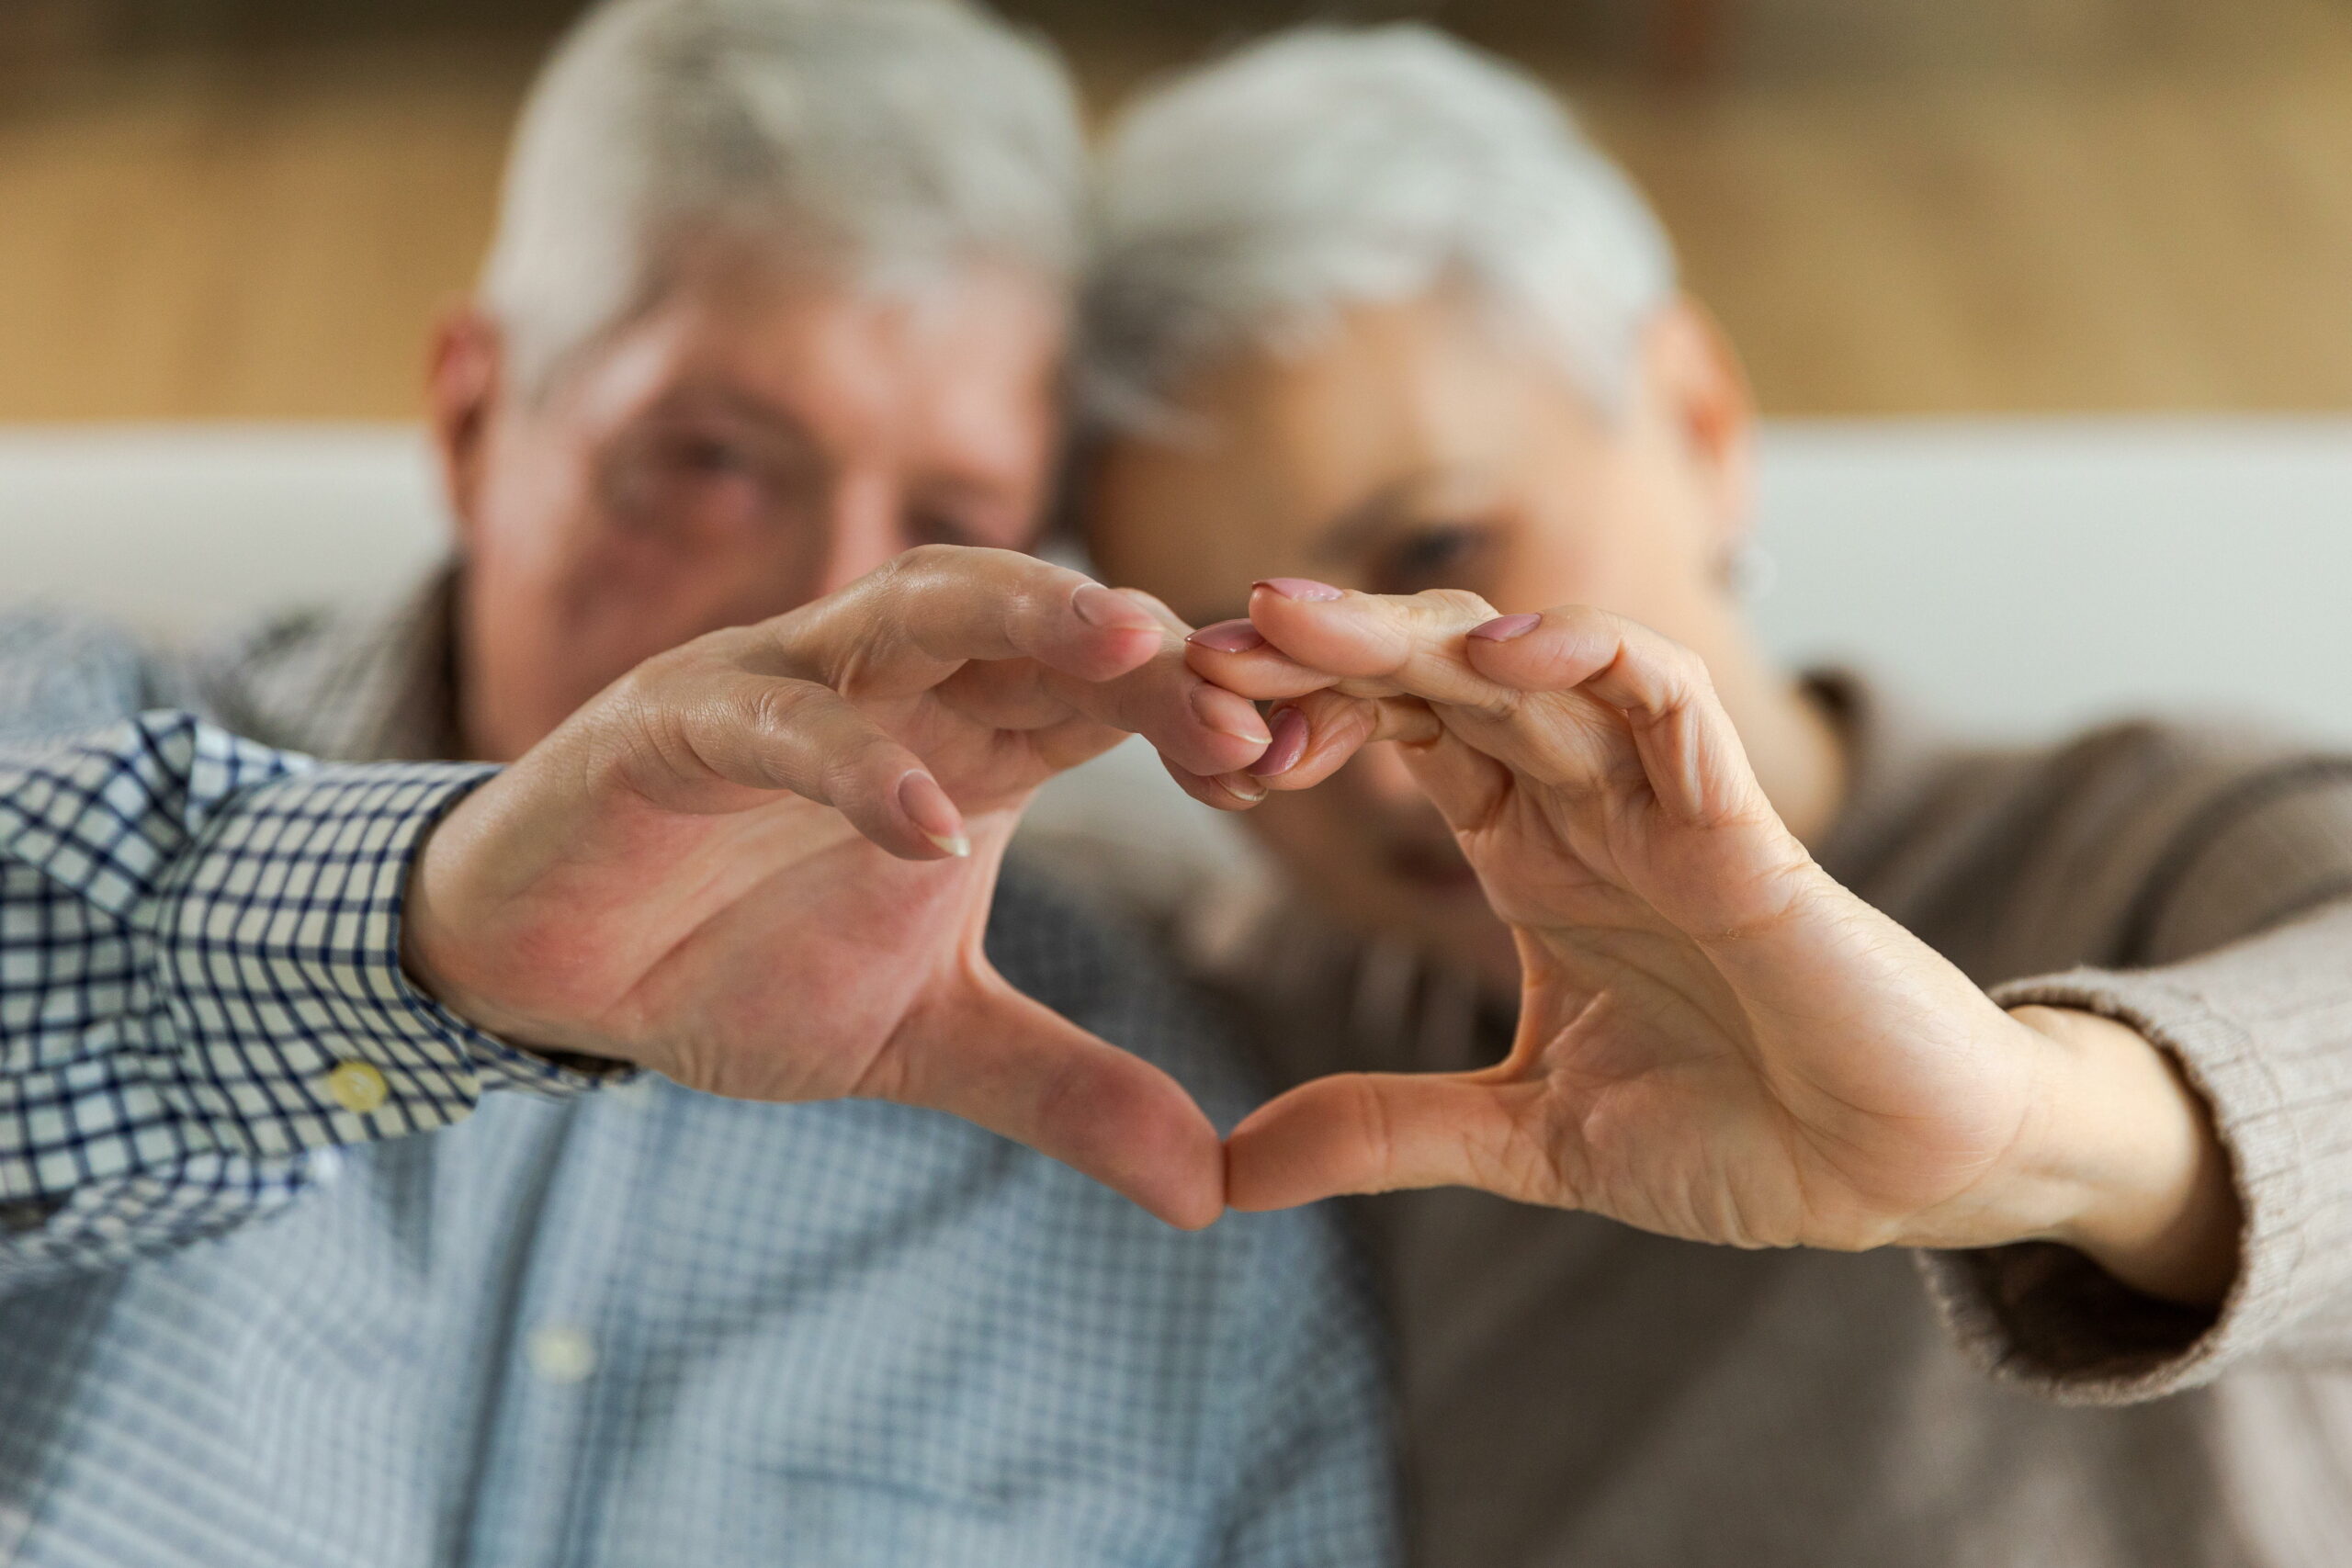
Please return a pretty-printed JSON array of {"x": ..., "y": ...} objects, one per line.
[
  {"x": 760, "y": 864},
  {"x": 1717, "y": 1041}
]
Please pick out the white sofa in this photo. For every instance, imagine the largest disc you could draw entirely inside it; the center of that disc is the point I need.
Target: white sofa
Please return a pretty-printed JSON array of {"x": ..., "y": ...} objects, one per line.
[{"x": 2019, "y": 574}]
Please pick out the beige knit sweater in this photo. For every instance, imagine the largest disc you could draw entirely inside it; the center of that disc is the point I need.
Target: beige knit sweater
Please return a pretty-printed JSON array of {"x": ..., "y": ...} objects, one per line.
[{"x": 1579, "y": 1394}]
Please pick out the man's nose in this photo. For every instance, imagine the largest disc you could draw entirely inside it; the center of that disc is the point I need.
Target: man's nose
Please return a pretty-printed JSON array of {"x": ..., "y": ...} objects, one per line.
[{"x": 865, "y": 526}]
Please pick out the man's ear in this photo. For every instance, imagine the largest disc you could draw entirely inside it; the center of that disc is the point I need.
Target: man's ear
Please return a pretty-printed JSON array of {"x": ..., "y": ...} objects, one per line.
[
  {"x": 462, "y": 387},
  {"x": 1704, "y": 395}
]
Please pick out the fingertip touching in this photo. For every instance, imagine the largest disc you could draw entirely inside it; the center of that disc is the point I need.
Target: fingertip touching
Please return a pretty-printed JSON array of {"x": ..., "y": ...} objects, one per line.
[
  {"x": 1228, "y": 714},
  {"x": 1117, "y": 634},
  {"x": 1556, "y": 651},
  {"x": 1288, "y": 733},
  {"x": 1504, "y": 628},
  {"x": 1228, "y": 637}
]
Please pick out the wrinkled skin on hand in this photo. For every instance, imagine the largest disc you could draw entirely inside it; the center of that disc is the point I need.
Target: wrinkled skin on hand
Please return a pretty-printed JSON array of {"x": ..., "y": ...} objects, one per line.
[
  {"x": 761, "y": 863},
  {"x": 1717, "y": 1041}
]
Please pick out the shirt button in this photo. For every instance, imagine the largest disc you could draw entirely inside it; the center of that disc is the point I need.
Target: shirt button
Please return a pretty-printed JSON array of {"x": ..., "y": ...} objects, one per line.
[
  {"x": 560, "y": 1353},
  {"x": 357, "y": 1086},
  {"x": 23, "y": 1215}
]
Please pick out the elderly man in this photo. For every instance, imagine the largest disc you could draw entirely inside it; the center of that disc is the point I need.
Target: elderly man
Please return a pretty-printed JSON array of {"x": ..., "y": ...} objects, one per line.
[{"x": 777, "y": 296}]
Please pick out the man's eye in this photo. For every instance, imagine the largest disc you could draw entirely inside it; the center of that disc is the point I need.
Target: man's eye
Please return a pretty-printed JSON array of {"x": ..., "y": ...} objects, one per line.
[
  {"x": 1439, "y": 557},
  {"x": 713, "y": 457}
]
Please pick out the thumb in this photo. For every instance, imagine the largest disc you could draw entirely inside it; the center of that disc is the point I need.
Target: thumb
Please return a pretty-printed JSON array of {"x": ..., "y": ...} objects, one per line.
[
  {"x": 1378, "y": 1132},
  {"x": 1014, "y": 1065}
]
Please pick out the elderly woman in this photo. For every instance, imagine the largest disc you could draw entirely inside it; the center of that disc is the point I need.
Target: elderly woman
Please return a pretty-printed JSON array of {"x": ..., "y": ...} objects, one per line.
[{"x": 1763, "y": 976}]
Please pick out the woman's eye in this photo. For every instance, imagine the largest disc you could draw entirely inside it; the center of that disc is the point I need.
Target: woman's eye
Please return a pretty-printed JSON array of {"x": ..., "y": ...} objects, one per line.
[
  {"x": 930, "y": 527},
  {"x": 1429, "y": 558}
]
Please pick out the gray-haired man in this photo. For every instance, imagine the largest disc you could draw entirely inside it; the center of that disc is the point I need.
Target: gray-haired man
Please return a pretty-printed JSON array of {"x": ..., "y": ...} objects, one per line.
[{"x": 778, "y": 296}]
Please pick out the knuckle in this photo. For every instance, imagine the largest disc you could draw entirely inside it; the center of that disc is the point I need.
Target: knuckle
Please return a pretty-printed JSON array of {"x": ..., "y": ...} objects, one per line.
[
  {"x": 1451, "y": 606},
  {"x": 727, "y": 646},
  {"x": 851, "y": 773},
  {"x": 782, "y": 707},
  {"x": 1688, "y": 673},
  {"x": 927, "y": 562}
]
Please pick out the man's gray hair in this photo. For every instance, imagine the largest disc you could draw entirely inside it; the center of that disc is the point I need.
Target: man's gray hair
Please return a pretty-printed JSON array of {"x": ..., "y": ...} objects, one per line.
[
  {"x": 1242, "y": 206},
  {"x": 879, "y": 142}
]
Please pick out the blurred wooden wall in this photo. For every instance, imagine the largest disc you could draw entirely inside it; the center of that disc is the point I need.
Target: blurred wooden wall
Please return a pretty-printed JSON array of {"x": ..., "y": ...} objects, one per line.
[{"x": 251, "y": 208}]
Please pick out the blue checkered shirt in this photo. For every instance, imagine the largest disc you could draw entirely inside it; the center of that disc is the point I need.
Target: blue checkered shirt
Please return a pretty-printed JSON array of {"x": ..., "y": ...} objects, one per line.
[{"x": 249, "y": 1318}]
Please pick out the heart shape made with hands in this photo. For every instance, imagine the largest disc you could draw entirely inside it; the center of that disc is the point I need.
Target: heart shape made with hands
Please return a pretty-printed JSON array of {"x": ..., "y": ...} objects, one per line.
[{"x": 762, "y": 863}]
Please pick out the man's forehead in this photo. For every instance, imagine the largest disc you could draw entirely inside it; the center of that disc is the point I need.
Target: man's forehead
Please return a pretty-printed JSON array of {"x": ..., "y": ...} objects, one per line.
[{"x": 788, "y": 348}]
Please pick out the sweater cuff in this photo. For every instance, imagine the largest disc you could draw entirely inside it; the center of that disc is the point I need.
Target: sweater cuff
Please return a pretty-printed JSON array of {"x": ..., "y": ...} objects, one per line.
[{"x": 2045, "y": 1315}]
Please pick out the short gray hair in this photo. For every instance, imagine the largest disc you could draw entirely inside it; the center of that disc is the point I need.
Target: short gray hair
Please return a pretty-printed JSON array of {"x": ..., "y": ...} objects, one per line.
[
  {"x": 880, "y": 142},
  {"x": 1241, "y": 206}
]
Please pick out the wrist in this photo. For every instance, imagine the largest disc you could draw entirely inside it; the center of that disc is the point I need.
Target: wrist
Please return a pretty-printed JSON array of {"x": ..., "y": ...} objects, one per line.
[
  {"x": 435, "y": 955},
  {"x": 2149, "y": 1194}
]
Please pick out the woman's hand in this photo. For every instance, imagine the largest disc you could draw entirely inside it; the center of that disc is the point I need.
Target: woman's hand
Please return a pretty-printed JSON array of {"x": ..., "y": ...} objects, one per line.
[
  {"x": 761, "y": 863},
  {"x": 1717, "y": 1041}
]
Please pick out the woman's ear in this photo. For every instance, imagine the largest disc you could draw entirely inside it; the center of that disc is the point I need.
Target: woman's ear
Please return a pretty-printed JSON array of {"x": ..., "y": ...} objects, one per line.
[
  {"x": 462, "y": 386},
  {"x": 1703, "y": 391}
]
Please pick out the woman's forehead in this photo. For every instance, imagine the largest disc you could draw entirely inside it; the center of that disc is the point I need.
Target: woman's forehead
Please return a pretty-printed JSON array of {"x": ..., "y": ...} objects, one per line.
[{"x": 1392, "y": 399}]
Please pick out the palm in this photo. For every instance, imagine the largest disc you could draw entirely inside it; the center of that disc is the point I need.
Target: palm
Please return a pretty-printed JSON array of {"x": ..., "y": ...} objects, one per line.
[{"x": 787, "y": 912}]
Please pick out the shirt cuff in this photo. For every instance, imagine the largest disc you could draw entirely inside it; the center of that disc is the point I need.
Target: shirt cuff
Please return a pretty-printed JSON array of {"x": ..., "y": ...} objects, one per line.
[{"x": 291, "y": 1023}]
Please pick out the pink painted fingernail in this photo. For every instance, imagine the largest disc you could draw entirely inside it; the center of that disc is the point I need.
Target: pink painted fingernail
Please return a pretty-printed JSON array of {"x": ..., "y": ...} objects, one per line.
[
  {"x": 1305, "y": 590},
  {"x": 934, "y": 815},
  {"x": 1289, "y": 744},
  {"x": 1502, "y": 628},
  {"x": 1228, "y": 637},
  {"x": 1107, "y": 607}
]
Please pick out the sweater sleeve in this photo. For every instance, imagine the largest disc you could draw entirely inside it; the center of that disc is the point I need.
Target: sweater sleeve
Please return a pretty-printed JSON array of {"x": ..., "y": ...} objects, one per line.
[{"x": 2245, "y": 926}]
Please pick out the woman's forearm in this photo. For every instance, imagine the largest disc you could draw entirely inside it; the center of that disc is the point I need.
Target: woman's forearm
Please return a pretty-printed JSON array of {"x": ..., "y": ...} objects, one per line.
[{"x": 2151, "y": 1195}]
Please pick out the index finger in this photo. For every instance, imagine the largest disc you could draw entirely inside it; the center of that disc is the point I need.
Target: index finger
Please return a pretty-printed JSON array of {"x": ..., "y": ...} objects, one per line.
[
  {"x": 1381, "y": 644},
  {"x": 911, "y": 623}
]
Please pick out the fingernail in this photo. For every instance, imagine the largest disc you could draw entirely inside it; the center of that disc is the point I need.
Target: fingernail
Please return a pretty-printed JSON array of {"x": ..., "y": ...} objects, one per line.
[
  {"x": 1502, "y": 628},
  {"x": 1228, "y": 637},
  {"x": 1241, "y": 786},
  {"x": 1305, "y": 590},
  {"x": 1229, "y": 715},
  {"x": 1289, "y": 744},
  {"x": 1107, "y": 607},
  {"x": 934, "y": 815}
]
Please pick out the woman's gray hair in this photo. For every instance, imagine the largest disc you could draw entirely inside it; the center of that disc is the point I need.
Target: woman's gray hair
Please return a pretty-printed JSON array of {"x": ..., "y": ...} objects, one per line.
[
  {"x": 1241, "y": 206},
  {"x": 881, "y": 141}
]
